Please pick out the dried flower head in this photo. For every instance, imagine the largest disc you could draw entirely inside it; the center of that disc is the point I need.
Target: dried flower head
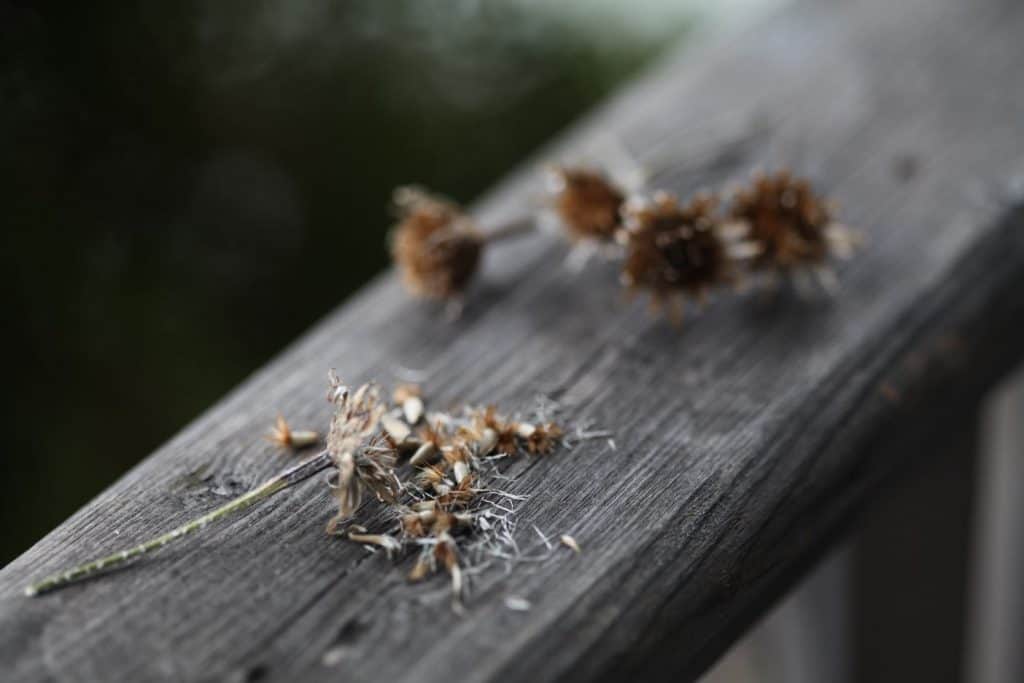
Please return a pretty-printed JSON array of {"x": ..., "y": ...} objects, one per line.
[
  {"x": 586, "y": 202},
  {"x": 504, "y": 431},
  {"x": 674, "y": 250},
  {"x": 364, "y": 458},
  {"x": 284, "y": 436},
  {"x": 540, "y": 439},
  {"x": 435, "y": 244},
  {"x": 792, "y": 226}
]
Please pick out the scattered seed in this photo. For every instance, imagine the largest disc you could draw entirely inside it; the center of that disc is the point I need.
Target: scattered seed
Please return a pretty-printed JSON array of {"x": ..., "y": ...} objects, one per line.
[
  {"x": 283, "y": 435},
  {"x": 390, "y": 544},
  {"x": 395, "y": 428},
  {"x": 412, "y": 408},
  {"x": 517, "y": 604},
  {"x": 570, "y": 542},
  {"x": 424, "y": 455}
]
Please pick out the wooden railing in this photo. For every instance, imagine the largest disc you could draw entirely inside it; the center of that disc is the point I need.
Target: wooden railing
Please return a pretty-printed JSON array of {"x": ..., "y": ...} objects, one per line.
[{"x": 747, "y": 443}]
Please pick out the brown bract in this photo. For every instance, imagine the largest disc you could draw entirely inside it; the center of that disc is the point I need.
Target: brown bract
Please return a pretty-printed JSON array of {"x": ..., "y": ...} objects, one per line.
[
  {"x": 673, "y": 250},
  {"x": 435, "y": 244},
  {"x": 586, "y": 202},
  {"x": 791, "y": 225}
]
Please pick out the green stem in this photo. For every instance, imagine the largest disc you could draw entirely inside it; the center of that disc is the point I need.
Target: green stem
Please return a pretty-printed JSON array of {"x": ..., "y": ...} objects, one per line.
[{"x": 290, "y": 477}]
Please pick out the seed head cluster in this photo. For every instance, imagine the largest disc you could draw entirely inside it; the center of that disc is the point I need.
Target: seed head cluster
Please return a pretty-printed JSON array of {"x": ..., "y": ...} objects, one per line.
[{"x": 674, "y": 250}]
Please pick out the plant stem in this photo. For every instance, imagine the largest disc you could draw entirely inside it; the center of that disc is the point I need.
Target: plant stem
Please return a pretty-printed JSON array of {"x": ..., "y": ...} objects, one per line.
[{"x": 289, "y": 477}]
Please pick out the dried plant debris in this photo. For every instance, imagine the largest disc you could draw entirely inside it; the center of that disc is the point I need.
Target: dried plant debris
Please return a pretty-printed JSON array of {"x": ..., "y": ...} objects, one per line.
[
  {"x": 676, "y": 251},
  {"x": 435, "y": 244},
  {"x": 586, "y": 202},
  {"x": 452, "y": 513},
  {"x": 295, "y": 439},
  {"x": 792, "y": 226},
  {"x": 445, "y": 510}
]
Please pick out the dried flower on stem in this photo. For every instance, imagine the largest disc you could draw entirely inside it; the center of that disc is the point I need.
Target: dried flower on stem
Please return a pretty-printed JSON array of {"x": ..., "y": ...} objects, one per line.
[
  {"x": 363, "y": 458},
  {"x": 437, "y": 246}
]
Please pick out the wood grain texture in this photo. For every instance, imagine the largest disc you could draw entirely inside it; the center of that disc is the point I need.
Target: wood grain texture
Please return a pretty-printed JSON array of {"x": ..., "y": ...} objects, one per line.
[{"x": 746, "y": 442}]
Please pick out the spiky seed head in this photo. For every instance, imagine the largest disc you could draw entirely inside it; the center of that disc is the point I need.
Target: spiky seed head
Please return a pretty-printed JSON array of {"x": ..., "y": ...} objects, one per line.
[
  {"x": 435, "y": 244},
  {"x": 543, "y": 439},
  {"x": 786, "y": 219},
  {"x": 586, "y": 202},
  {"x": 671, "y": 249},
  {"x": 504, "y": 430}
]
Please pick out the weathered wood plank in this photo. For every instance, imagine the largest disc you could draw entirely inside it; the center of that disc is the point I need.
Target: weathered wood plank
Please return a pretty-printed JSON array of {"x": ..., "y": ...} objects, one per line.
[{"x": 745, "y": 442}]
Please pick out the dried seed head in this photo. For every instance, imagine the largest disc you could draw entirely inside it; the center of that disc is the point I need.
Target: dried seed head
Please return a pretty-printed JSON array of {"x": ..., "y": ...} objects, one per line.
[
  {"x": 586, "y": 202},
  {"x": 792, "y": 226},
  {"x": 674, "y": 250},
  {"x": 504, "y": 431},
  {"x": 543, "y": 438},
  {"x": 460, "y": 496},
  {"x": 362, "y": 457},
  {"x": 435, "y": 244},
  {"x": 375, "y": 468},
  {"x": 284, "y": 436},
  {"x": 356, "y": 416}
]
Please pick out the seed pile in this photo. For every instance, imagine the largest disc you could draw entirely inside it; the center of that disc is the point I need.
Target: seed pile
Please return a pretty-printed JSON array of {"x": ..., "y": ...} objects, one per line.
[
  {"x": 446, "y": 506},
  {"x": 777, "y": 225}
]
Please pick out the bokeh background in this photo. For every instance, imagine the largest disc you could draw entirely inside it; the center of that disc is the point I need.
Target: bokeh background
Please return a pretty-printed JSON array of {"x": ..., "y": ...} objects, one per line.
[{"x": 187, "y": 186}]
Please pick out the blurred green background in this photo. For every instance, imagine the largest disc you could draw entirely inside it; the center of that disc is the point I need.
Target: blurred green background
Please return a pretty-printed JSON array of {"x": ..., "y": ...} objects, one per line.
[{"x": 181, "y": 181}]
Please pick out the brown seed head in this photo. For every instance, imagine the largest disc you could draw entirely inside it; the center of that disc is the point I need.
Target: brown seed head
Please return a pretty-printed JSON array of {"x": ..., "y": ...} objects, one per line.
[
  {"x": 673, "y": 249},
  {"x": 786, "y": 219},
  {"x": 435, "y": 244},
  {"x": 505, "y": 430},
  {"x": 543, "y": 438},
  {"x": 586, "y": 202}
]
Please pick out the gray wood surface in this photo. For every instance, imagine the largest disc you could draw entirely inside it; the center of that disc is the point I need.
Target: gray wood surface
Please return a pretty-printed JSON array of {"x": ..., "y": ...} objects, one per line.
[{"x": 746, "y": 442}]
